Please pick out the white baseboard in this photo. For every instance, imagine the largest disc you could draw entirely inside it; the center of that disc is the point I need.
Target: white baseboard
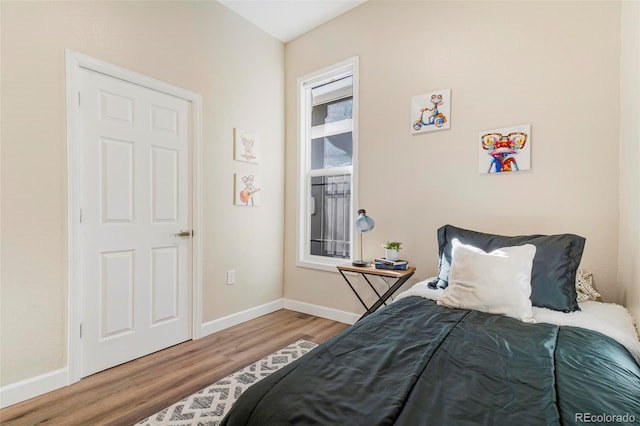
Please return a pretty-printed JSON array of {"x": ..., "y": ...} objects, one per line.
[
  {"x": 293, "y": 305},
  {"x": 35, "y": 386},
  {"x": 321, "y": 311},
  {"x": 240, "y": 317}
]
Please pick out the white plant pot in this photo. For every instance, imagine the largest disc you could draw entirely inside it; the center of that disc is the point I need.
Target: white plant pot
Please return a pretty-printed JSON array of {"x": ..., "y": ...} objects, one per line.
[{"x": 392, "y": 254}]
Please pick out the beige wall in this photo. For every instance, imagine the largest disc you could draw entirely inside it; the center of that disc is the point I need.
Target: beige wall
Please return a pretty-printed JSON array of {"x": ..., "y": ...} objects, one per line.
[
  {"x": 502, "y": 68},
  {"x": 629, "y": 259},
  {"x": 200, "y": 46},
  {"x": 554, "y": 65}
]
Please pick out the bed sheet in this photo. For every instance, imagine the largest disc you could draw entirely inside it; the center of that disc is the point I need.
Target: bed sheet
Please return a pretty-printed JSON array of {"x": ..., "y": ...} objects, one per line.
[{"x": 415, "y": 362}]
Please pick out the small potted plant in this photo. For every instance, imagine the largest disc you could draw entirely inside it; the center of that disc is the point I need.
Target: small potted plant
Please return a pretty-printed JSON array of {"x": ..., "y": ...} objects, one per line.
[{"x": 392, "y": 249}]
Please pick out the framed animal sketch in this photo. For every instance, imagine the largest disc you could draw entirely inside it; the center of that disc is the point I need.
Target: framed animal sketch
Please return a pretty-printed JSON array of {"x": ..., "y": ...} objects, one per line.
[
  {"x": 247, "y": 190},
  {"x": 246, "y": 146},
  {"x": 507, "y": 149},
  {"x": 431, "y": 111}
]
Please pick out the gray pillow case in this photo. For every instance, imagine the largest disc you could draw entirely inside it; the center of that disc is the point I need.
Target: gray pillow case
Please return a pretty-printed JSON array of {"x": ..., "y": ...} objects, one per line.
[{"x": 553, "y": 277}]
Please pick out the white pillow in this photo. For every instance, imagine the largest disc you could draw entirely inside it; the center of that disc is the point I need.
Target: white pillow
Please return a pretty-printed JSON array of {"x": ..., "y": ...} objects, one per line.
[{"x": 498, "y": 282}]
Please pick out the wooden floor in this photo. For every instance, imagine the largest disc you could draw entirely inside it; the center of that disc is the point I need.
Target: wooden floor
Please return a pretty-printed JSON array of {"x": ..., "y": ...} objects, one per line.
[{"x": 126, "y": 394}]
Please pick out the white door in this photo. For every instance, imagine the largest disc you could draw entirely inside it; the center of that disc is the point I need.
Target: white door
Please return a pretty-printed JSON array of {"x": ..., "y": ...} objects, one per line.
[{"x": 135, "y": 202}]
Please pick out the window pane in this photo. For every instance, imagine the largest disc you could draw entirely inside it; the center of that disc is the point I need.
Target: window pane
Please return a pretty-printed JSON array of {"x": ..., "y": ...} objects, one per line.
[
  {"x": 327, "y": 116},
  {"x": 332, "y": 151},
  {"x": 333, "y": 111},
  {"x": 330, "y": 217}
]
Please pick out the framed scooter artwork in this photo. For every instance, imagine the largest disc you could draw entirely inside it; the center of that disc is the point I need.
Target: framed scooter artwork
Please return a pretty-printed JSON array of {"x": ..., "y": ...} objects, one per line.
[{"x": 431, "y": 111}]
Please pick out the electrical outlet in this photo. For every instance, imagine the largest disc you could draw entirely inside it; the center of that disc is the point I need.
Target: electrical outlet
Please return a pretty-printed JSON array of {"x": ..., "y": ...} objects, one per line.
[{"x": 231, "y": 277}]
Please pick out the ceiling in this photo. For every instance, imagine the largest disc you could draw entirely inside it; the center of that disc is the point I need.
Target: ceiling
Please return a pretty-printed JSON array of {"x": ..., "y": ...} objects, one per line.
[{"x": 288, "y": 19}]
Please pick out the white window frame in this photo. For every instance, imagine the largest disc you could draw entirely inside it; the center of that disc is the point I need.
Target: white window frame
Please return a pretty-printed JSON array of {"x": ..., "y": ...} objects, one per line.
[{"x": 305, "y": 83}]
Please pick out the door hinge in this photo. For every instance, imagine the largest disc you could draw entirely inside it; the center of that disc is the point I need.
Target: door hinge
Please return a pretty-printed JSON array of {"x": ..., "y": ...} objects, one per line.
[
  {"x": 80, "y": 215},
  {"x": 81, "y": 331},
  {"x": 78, "y": 98}
]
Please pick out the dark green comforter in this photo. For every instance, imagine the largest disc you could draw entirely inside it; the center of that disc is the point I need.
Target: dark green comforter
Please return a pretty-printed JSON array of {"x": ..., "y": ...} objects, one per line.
[{"x": 417, "y": 363}]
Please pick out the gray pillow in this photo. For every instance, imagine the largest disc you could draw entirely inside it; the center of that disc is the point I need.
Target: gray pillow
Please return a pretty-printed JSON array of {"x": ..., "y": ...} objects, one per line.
[{"x": 553, "y": 277}]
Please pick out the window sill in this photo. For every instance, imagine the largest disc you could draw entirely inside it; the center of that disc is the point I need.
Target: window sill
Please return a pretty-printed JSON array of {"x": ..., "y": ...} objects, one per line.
[{"x": 322, "y": 266}]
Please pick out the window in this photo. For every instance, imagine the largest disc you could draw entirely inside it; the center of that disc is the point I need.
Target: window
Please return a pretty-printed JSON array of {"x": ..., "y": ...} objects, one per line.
[{"x": 327, "y": 146}]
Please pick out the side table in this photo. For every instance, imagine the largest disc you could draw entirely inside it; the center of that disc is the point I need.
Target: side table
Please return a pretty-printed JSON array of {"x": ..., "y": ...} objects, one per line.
[{"x": 400, "y": 278}]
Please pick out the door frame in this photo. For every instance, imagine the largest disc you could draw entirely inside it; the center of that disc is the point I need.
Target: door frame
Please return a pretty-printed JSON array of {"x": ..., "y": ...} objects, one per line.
[{"x": 75, "y": 62}]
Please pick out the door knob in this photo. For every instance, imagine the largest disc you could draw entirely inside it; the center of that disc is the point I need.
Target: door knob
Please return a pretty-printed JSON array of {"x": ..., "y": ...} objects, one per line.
[{"x": 184, "y": 234}]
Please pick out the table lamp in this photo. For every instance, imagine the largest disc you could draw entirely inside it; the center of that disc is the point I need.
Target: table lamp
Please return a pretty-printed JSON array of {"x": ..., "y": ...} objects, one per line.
[{"x": 363, "y": 223}]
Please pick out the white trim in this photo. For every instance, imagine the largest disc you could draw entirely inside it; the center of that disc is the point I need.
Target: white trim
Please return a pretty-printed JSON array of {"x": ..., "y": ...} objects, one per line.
[
  {"x": 343, "y": 170},
  {"x": 321, "y": 311},
  {"x": 32, "y": 387},
  {"x": 74, "y": 63},
  {"x": 293, "y": 305},
  {"x": 349, "y": 66},
  {"x": 323, "y": 263},
  {"x": 331, "y": 129},
  {"x": 238, "y": 318},
  {"x": 196, "y": 215},
  {"x": 38, "y": 385},
  {"x": 74, "y": 308}
]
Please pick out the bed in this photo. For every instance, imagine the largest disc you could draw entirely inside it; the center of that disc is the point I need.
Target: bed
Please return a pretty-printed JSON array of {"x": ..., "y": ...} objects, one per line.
[{"x": 446, "y": 352}]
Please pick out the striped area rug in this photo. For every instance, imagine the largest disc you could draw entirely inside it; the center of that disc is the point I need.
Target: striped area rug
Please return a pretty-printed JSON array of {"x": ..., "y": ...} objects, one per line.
[{"x": 209, "y": 406}]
